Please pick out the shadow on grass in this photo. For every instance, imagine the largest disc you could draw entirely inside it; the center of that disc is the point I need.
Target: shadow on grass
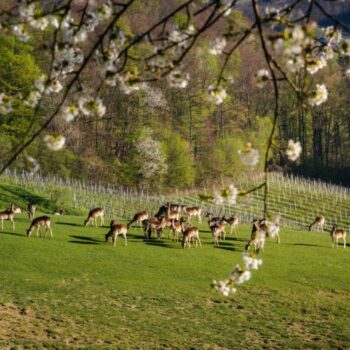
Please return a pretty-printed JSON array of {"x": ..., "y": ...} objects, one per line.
[
  {"x": 83, "y": 242},
  {"x": 157, "y": 243},
  {"x": 13, "y": 234},
  {"x": 306, "y": 244},
  {"x": 226, "y": 247},
  {"x": 68, "y": 223},
  {"x": 86, "y": 239}
]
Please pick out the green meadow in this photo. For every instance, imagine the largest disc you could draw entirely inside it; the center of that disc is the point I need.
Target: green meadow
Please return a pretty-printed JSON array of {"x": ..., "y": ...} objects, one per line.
[{"x": 76, "y": 291}]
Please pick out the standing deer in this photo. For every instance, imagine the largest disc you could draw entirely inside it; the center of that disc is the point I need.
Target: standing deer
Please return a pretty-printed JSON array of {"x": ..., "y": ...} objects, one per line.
[
  {"x": 93, "y": 215},
  {"x": 213, "y": 220},
  {"x": 37, "y": 223},
  {"x": 191, "y": 233},
  {"x": 193, "y": 211},
  {"x": 218, "y": 231},
  {"x": 233, "y": 222},
  {"x": 319, "y": 222},
  {"x": 138, "y": 217},
  {"x": 8, "y": 214},
  {"x": 115, "y": 231},
  {"x": 154, "y": 224},
  {"x": 31, "y": 210},
  {"x": 258, "y": 235},
  {"x": 337, "y": 233},
  {"x": 177, "y": 227},
  {"x": 172, "y": 214}
]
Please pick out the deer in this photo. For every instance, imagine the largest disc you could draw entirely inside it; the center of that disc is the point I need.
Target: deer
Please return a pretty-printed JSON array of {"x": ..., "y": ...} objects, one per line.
[
  {"x": 218, "y": 231},
  {"x": 193, "y": 211},
  {"x": 8, "y": 214},
  {"x": 258, "y": 235},
  {"x": 190, "y": 234},
  {"x": 31, "y": 210},
  {"x": 172, "y": 214},
  {"x": 116, "y": 230},
  {"x": 319, "y": 222},
  {"x": 37, "y": 223},
  {"x": 138, "y": 217},
  {"x": 337, "y": 233},
  {"x": 233, "y": 222},
  {"x": 59, "y": 212},
  {"x": 177, "y": 227},
  {"x": 93, "y": 215},
  {"x": 156, "y": 224},
  {"x": 164, "y": 209},
  {"x": 213, "y": 220}
]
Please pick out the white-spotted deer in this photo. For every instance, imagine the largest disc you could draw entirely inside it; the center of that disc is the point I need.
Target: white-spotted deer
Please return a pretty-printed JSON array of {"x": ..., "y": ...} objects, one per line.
[
  {"x": 319, "y": 222},
  {"x": 8, "y": 214},
  {"x": 218, "y": 231},
  {"x": 44, "y": 221},
  {"x": 31, "y": 210},
  {"x": 258, "y": 235},
  {"x": 233, "y": 222},
  {"x": 193, "y": 211},
  {"x": 154, "y": 224},
  {"x": 191, "y": 234},
  {"x": 336, "y": 234},
  {"x": 93, "y": 215},
  {"x": 115, "y": 231},
  {"x": 138, "y": 218},
  {"x": 177, "y": 227}
]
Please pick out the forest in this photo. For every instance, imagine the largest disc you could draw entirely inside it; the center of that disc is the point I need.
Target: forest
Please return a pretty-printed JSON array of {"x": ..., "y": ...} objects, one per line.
[{"x": 163, "y": 137}]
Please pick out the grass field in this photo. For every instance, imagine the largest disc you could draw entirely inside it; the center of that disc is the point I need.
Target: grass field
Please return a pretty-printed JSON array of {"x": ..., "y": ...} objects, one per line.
[{"x": 76, "y": 291}]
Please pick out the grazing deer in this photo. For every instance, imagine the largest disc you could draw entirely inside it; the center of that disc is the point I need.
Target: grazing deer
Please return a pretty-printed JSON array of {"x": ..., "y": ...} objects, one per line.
[
  {"x": 193, "y": 211},
  {"x": 319, "y": 222},
  {"x": 337, "y": 233},
  {"x": 115, "y": 231},
  {"x": 138, "y": 217},
  {"x": 233, "y": 222},
  {"x": 37, "y": 223},
  {"x": 177, "y": 227},
  {"x": 59, "y": 212},
  {"x": 218, "y": 231},
  {"x": 190, "y": 234},
  {"x": 154, "y": 224},
  {"x": 93, "y": 215},
  {"x": 8, "y": 214},
  {"x": 31, "y": 210}
]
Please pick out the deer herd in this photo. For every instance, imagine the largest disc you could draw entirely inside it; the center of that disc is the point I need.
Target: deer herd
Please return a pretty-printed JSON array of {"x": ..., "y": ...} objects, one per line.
[{"x": 177, "y": 219}]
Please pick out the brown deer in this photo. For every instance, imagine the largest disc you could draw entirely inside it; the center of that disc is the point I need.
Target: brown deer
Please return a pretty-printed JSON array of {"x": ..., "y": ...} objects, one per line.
[
  {"x": 172, "y": 214},
  {"x": 93, "y": 215},
  {"x": 37, "y": 223},
  {"x": 213, "y": 220},
  {"x": 138, "y": 218},
  {"x": 193, "y": 211},
  {"x": 218, "y": 231},
  {"x": 31, "y": 210},
  {"x": 154, "y": 224},
  {"x": 177, "y": 227},
  {"x": 233, "y": 222},
  {"x": 337, "y": 233},
  {"x": 8, "y": 214},
  {"x": 190, "y": 234},
  {"x": 115, "y": 231},
  {"x": 258, "y": 235},
  {"x": 319, "y": 222}
]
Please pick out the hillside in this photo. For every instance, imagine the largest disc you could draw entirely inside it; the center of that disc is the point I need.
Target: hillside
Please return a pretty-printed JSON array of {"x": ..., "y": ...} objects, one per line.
[{"x": 297, "y": 200}]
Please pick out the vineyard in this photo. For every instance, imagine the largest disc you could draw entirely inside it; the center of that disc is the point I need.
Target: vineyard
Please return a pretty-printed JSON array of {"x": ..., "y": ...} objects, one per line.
[{"x": 298, "y": 201}]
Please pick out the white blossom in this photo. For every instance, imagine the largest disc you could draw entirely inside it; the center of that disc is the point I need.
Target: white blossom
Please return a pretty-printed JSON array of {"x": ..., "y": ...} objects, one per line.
[
  {"x": 314, "y": 65},
  {"x": 216, "y": 95},
  {"x": 20, "y": 32},
  {"x": 27, "y": 11},
  {"x": 250, "y": 262},
  {"x": 40, "y": 23},
  {"x": 232, "y": 194},
  {"x": 217, "y": 46},
  {"x": 40, "y": 83},
  {"x": 293, "y": 150},
  {"x": 262, "y": 77},
  {"x": 5, "y": 104},
  {"x": 318, "y": 96},
  {"x": 70, "y": 112},
  {"x": 33, "y": 99},
  {"x": 54, "y": 86},
  {"x": 30, "y": 164},
  {"x": 104, "y": 11},
  {"x": 55, "y": 142},
  {"x": 249, "y": 156},
  {"x": 89, "y": 105},
  {"x": 178, "y": 79}
]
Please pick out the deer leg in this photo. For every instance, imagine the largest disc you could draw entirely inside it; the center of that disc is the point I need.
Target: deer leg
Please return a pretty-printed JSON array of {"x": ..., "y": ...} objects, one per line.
[
  {"x": 13, "y": 224},
  {"x": 102, "y": 221},
  {"x": 51, "y": 234},
  {"x": 126, "y": 241},
  {"x": 37, "y": 231},
  {"x": 115, "y": 237},
  {"x": 2, "y": 224}
]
